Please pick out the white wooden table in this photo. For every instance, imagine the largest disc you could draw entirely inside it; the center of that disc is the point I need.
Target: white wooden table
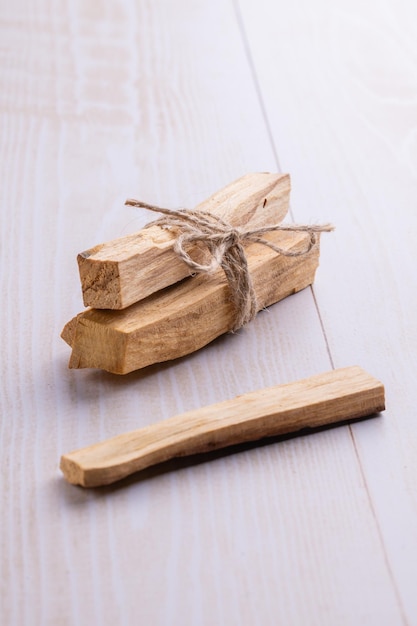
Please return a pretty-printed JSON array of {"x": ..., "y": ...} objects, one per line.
[{"x": 169, "y": 101}]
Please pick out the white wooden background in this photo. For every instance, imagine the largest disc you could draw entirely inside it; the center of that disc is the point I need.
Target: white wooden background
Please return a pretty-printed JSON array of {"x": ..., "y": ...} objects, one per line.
[{"x": 168, "y": 101}]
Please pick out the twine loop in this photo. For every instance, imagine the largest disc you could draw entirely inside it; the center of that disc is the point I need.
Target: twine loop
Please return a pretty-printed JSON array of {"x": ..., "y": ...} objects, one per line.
[{"x": 225, "y": 245}]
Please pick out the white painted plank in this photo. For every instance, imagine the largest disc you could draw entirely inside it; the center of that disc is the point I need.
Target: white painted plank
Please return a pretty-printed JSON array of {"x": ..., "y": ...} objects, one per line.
[
  {"x": 344, "y": 113},
  {"x": 100, "y": 101}
]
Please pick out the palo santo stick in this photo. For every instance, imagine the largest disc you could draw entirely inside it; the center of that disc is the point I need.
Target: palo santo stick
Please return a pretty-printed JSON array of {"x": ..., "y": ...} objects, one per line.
[
  {"x": 123, "y": 271},
  {"x": 336, "y": 396},
  {"x": 185, "y": 317}
]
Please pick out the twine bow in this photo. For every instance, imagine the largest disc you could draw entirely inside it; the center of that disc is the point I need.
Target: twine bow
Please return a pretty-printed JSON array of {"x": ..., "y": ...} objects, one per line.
[{"x": 225, "y": 244}]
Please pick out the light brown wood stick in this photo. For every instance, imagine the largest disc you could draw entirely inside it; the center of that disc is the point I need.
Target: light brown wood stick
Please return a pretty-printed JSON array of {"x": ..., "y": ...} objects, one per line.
[
  {"x": 187, "y": 316},
  {"x": 123, "y": 271},
  {"x": 335, "y": 396}
]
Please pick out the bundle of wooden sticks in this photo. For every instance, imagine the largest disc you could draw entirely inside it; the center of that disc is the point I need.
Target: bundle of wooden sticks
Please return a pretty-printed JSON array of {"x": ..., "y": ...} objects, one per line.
[{"x": 147, "y": 308}]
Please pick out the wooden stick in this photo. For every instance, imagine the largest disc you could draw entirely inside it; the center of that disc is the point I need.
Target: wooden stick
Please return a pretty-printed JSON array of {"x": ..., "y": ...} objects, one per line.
[
  {"x": 123, "y": 271},
  {"x": 335, "y": 396},
  {"x": 185, "y": 317}
]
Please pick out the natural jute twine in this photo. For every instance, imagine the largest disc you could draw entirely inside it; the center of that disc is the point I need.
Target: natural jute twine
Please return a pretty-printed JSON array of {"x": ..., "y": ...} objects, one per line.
[{"x": 225, "y": 244}]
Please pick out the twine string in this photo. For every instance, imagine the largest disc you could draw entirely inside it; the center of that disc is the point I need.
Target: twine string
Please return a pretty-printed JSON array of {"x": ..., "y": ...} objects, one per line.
[{"x": 225, "y": 245}]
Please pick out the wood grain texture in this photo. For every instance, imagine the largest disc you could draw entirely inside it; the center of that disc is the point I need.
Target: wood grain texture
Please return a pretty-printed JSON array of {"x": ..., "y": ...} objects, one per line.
[
  {"x": 367, "y": 118},
  {"x": 339, "y": 395},
  {"x": 123, "y": 271},
  {"x": 103, "y": 100},
  {"x": 181, "y": 319}
]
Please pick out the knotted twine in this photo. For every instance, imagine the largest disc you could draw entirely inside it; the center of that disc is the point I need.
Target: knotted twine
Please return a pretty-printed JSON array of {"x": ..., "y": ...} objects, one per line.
[{"x": 225, "y": 244}]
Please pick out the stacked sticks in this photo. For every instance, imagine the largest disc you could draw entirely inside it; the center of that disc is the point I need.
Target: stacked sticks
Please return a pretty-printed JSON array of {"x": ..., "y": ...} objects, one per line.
[{"x": 147, "y": 308}]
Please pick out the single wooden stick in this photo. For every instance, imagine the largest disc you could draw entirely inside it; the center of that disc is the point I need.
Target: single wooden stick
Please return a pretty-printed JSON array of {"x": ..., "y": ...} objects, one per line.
[
  {"x": 335, "y": 396},
  {"x": 123, "y": 271},
  {"x": 187, "y": 316}
]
